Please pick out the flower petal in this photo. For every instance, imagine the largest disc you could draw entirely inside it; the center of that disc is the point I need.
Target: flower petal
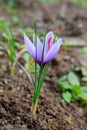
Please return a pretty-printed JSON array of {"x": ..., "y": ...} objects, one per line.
[
  {"x": 29, "y": 45},
  {"x": 49, "y": 41},
  {"x": 39, "y": 49},
  {"x": 53, "y": 51}
]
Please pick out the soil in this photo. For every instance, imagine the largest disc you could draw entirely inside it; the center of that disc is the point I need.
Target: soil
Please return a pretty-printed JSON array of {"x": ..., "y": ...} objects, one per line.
[{"x": 16, "y": 92}]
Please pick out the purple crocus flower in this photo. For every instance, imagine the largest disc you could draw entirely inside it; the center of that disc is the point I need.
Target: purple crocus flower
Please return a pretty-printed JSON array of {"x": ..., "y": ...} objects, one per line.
[{"x": 50, "y": 48}]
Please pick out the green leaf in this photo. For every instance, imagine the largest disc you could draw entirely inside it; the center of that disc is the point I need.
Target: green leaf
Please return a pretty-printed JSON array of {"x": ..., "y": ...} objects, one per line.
[
  {"x": 75, "y": 68},
  {"x": 76, "y": 90},
  {"x": 84, "y": 50},
  {"x": 73, "y": 79},
  {"x": 84, "y": 89},
  {"x": 83, "y": 97},
  {"x": 84, "y": 71},
  {"x": 67, "y": 96},
  {"x": 65, "y": 85},
  {"x": 84, "y": 79},
  {"x": 63, "y": 78}
]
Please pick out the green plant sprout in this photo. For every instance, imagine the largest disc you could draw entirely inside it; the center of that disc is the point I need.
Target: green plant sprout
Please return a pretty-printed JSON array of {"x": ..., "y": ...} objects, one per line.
[
  {"x": 42, "y": 54},
  {"x": 71, "y": 89},
  {"x": 10, "y": 48}
]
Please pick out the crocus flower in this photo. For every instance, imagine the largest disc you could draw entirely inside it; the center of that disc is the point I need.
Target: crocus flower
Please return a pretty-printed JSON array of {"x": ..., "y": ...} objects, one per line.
[{"x": 50, "y": 48}]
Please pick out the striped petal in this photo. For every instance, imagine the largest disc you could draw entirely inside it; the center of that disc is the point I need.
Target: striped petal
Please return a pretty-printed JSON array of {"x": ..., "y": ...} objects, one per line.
[
  {"x": 39, "y": 49},
  {"x": 49, "y": 41},
  {"x": 29, "y": 45},
  {"x": 53, "y": 51}
]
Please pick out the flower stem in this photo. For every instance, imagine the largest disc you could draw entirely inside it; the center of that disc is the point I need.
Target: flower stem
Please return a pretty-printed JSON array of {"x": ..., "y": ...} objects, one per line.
[{"x": 34, "y": 108}]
